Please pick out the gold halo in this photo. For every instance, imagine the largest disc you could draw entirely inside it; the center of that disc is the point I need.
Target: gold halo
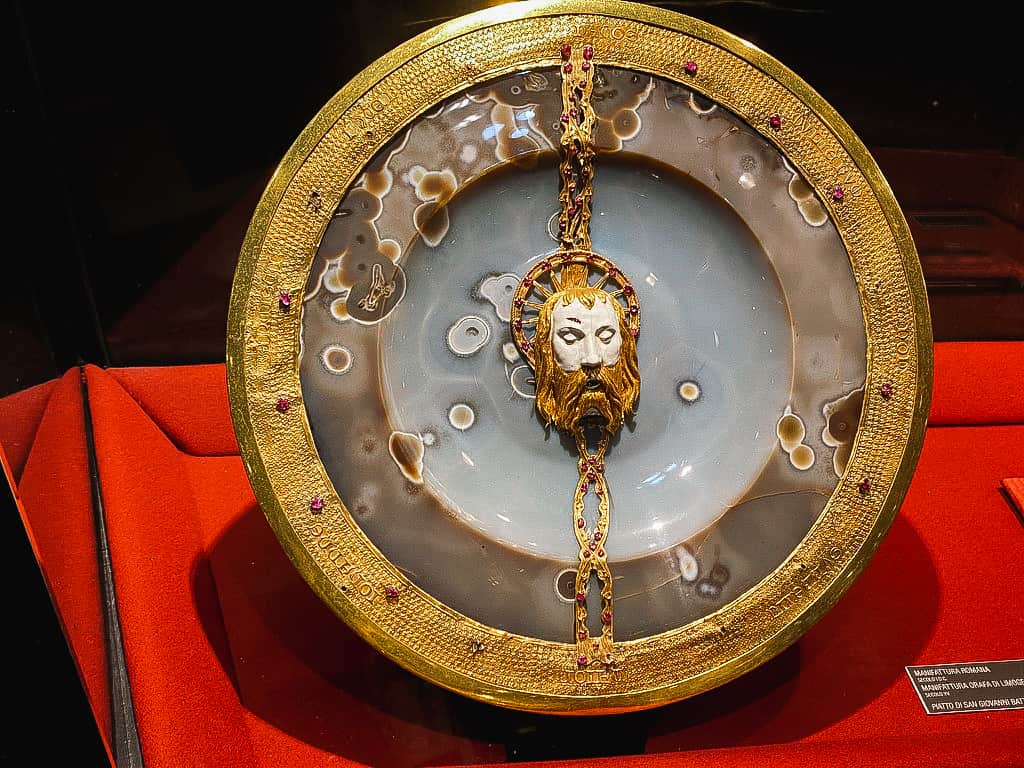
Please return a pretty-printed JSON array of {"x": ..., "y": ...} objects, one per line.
[{"x": 531, "y": 293}]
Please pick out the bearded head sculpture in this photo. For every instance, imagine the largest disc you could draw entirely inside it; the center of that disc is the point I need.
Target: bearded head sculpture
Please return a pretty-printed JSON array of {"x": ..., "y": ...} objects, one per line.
[{"x": 584, "y": 357}]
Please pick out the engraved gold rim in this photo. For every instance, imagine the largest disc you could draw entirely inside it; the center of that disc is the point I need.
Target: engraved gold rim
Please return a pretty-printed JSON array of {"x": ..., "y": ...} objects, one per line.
[{"x": 345, "y": 568}]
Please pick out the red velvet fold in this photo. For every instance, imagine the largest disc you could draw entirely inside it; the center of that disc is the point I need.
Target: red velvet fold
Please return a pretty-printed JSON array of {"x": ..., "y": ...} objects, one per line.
[{"x": 234, "y": 661}]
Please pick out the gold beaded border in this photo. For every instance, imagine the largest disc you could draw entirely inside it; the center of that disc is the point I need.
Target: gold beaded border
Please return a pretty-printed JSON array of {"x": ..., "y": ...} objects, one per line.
[{"x": 315, "y": 529}]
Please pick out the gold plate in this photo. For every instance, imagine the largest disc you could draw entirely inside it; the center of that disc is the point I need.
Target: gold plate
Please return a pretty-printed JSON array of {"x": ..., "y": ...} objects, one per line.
[{"x": 314, "y": 523}]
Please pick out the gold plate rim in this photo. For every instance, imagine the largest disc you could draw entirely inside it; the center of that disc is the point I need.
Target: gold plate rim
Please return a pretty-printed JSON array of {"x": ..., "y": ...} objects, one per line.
[{"x": 277, "y": 448}]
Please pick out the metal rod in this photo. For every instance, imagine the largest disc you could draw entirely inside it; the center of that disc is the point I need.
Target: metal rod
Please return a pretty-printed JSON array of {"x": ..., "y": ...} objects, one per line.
[{"x": 125, "y": 737}]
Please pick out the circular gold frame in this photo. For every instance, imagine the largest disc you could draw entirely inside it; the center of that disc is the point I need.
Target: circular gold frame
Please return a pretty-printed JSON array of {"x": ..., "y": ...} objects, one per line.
[{"x": 312, "y": 523}]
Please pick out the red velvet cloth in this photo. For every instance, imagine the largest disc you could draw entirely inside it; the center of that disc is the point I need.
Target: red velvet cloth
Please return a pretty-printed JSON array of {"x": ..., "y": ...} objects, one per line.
[{"x": 234, "y": 661}]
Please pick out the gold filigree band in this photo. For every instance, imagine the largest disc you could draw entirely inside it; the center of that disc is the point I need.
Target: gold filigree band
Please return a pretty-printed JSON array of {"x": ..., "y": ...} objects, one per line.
[
  {"x": 576, "y": 169},
  {"x": 593, "y": 560}
]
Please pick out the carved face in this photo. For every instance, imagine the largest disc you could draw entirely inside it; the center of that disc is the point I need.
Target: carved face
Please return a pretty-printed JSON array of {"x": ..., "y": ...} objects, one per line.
[
  {"x": 586, "y": 365},
  {"x": 585, "y": 337}
]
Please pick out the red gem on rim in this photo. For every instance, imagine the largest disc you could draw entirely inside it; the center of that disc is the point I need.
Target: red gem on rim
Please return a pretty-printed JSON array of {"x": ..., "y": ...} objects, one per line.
[
  {"x": 690, "y": 67},
  {"x": 545, "y": 264},
  {"x": 283, "y": 404},
  {"x": 316, "y": 504},
  {"x": 585, "y": 66},
  {"x": 561, "y": 223},
  {"x": 887, "y": 390},
  {"x": 581, "y": 597},
  {"x": 600, "y": 466},
  {"x": 588, "y": 52},
  {"x": 838, "y": 194},
  {"x": 566, "y": 50},
  {"x": 634, "y": 310},
  {"x": 526, "y": 345},
  {"x": 591, "y": 476},
  {"x": 571, "y": 210},
  {"x": 635, "y": 332},
  {"x": 580, "y": 523},
  {"x": 582, "y": 661},
  {"x": 519, "y": 301},
  {"x": 572, "y": 112},
  {"x": 864, "y": 486},
  {"x": 601, "y": 553},
  {"x": 390, "y": 593},
  {"x": 565, "y": 117},
  {"x": 284, "y": 299},
  {"x": 599, "y": 492},
  {"x": 582, "y": 635},
  {"x": 527, "y": 281},
  {"x": 775, "y": 121},
  {"x": 597, "y": 535},
  {"x": 606, "y": 618},
  {"x": 567, "y": 68},
  {"x": 628, "y": 290}
]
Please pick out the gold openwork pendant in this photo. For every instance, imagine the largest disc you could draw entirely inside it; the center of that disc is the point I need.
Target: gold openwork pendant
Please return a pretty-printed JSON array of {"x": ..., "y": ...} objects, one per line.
[{"x": 447, "y": 407}]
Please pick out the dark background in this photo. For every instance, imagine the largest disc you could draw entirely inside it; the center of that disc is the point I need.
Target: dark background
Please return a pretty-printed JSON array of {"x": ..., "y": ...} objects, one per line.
[{"x": 139, "y": 138}]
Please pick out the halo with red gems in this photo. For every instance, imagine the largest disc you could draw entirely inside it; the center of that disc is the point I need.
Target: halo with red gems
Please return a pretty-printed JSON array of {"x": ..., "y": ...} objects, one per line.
[{"x": 544, "y": 279}]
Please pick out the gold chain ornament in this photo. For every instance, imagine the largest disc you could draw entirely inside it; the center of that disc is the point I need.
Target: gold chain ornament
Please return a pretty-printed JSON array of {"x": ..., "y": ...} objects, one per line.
[
  {"x": 577, "y": 171},
  {"x": 582, "y": 349}
]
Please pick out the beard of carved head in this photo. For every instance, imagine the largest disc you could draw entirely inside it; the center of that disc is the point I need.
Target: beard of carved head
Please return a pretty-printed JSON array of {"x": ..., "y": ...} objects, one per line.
[{"x": 562, "y": 396}]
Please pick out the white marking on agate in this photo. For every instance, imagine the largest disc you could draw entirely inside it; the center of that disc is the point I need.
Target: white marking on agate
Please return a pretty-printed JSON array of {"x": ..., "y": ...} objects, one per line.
[
  {"x": 462, "y": 417},
  {"x": 802, "y": 457},
  {"x": 339, "y": 308},
  {"x": 406, "y": 449},
  {"x": 336, "y": 359},
  {"x": 498, "y": 290},
  {"x": 519, "y": 381},
  {"x": 791, "y": 432},
  {"x": 810, "y": 208},
  {"x": 697, "y": 108},
  {"x": 686, "y": 563},
  {"x": 468, "y": 335},
  {"x": 689, "y": 391}
]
